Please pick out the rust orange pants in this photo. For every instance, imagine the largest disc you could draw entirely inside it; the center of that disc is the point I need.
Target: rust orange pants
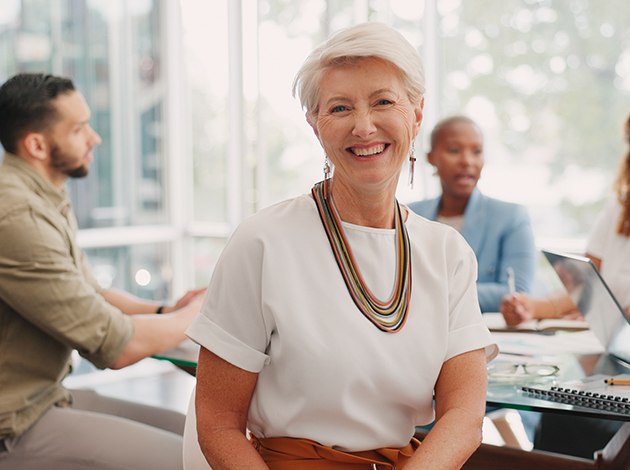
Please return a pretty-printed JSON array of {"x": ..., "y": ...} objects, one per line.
[{"x": 287, "y": 453}]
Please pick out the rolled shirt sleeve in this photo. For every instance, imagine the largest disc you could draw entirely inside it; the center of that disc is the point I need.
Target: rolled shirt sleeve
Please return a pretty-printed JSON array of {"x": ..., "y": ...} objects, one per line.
[{"x": 232, "y": 322}]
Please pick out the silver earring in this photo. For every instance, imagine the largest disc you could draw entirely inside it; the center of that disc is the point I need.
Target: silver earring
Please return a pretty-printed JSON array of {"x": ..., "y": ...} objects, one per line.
[
  {"x": 412, "y": 163},
  {"x": 327, "y": 170}
]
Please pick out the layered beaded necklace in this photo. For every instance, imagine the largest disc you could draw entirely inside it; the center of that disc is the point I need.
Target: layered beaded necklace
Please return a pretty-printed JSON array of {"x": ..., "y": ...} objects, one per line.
[{"x": 389, "y": 315}]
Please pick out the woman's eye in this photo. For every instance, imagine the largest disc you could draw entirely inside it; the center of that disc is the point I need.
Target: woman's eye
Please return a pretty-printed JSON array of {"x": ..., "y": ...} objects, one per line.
[
  {"x": 338, "y": 109},
  {"x": 384, "y": 102}
]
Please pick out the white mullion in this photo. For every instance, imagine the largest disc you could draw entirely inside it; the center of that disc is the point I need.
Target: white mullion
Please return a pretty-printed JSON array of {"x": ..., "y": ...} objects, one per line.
[
  {"x": 432, "y": 73},
  {"x": 117, "y": 100},
  {"x": 56, "y": 38},
  {"x": 177, "y": 143},
  {"x": 130, "y": 120},
  {"x": 236, "y": 139},
  {"x": 126, "y": 236}
]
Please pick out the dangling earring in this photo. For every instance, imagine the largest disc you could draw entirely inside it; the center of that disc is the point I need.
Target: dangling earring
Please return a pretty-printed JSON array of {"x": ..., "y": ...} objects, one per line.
[
  {"x": 412, "y": 163},
  {"x": 327, "y": 170}
]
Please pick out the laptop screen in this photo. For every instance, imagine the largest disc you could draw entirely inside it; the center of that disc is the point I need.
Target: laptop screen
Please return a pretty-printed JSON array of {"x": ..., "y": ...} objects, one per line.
[{"x": 594, "y": 299}]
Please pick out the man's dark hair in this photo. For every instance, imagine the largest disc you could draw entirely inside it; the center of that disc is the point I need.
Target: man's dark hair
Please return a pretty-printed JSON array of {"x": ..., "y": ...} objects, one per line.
[{"x": 26, "y": 105}]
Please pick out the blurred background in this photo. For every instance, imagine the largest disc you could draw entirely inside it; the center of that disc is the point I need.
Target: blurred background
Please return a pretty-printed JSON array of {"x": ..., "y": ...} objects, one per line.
[{"x": 193, "y": 101}]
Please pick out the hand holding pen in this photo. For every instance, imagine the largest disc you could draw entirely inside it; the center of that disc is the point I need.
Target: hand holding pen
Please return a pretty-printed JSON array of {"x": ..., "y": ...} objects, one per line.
[{"x": 515, "y": 307}]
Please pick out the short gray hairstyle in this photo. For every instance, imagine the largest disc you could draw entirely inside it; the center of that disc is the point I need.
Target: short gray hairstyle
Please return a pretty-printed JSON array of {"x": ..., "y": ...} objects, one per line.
[{"x": 371, "y": 39}]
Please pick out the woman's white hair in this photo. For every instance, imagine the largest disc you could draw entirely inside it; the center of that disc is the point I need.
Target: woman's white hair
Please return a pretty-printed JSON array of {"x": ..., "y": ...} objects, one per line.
[{"x": 371, "y": 39}]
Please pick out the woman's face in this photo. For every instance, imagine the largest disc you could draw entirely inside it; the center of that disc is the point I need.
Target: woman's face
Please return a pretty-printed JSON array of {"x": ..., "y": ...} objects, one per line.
[
  {"x": 366, "y": 123},
  {"x": 458, "y": 158}
]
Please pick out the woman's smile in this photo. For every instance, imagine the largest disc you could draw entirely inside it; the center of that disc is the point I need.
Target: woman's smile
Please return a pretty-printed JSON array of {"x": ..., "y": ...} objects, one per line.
[{"x": 368, "y": 150}]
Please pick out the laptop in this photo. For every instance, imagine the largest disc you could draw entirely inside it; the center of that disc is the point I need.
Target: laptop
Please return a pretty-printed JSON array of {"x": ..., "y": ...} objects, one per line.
[{"x": 590, "y": 293}]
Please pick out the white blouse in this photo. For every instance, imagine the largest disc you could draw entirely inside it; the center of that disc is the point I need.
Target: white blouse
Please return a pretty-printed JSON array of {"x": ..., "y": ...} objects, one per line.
[{"x": 277, "y": 305}]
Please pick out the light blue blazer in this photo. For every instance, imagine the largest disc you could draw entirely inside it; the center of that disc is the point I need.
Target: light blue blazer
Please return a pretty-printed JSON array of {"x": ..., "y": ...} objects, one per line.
[{"x": 500, "y": 234}]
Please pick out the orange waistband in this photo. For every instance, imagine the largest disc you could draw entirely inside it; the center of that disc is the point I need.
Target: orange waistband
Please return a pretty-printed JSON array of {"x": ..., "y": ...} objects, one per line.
[{"x": 288, "y": 453}]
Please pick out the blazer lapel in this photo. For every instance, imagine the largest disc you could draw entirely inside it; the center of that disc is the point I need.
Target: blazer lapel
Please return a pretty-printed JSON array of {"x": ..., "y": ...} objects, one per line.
[
  {"x": 434, "y": 207},
  {"x": 473, "y": 219}
]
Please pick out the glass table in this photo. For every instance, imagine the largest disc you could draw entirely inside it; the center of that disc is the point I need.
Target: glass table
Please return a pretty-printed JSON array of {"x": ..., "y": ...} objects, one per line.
[{"x": 507, "y": 393}]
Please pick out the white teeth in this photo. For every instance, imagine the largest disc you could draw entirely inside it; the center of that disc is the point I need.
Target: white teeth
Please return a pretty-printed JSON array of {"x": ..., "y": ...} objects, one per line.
[{"x": 364, "y": 152}]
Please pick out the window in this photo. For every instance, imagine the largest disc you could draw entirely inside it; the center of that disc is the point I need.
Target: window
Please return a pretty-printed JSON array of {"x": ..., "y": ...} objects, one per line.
[
  {"x": 193, "y": 101},
  {"x": 148, "y": 266},
  {"x": 547, "y": 82},
  {"x": 113, "y": 52}
]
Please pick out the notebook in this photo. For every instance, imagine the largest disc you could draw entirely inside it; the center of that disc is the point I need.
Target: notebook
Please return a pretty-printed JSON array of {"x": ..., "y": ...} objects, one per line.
[
  {"x": 609, "y": 324},
  {"x": 496, "y": 323},
  {"x": 590, "y": 392}
]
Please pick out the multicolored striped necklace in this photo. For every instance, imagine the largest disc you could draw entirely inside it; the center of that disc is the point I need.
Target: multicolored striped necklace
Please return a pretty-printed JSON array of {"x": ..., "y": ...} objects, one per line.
[{"x": 389, "y": 315}]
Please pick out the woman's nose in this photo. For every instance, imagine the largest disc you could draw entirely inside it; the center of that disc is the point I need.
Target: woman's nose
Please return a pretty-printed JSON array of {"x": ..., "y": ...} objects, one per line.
[
  {"x": 467, "y": 157},
  {"x": 363, "y": 125}
]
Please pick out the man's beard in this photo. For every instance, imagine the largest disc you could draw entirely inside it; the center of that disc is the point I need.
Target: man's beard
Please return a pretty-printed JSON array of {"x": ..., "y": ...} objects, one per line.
[{"x": 59, "y": 161}]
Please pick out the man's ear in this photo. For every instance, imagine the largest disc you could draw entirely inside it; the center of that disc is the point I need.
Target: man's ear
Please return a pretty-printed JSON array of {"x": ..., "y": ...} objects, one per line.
[
  {"x": 313, "y": 123},
  {"x": 36, "y": 145}
]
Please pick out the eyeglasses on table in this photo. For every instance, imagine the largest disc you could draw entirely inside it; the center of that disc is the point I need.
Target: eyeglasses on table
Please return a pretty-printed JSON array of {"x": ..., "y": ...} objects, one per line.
[{"x": 511, "y": 370}]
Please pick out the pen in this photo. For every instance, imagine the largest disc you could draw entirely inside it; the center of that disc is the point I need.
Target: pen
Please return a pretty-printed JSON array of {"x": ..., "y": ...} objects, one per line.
[
  {"x": 511, "y": 281},
  {"x": 614, "y": 381}
]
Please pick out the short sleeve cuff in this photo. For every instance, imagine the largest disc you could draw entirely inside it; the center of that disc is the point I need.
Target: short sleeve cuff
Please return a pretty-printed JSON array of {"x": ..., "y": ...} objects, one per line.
[
  {"x": 469, "y": 338},
  {"x": 117, "y": 335},
  {"x": 215, "y": 339}
]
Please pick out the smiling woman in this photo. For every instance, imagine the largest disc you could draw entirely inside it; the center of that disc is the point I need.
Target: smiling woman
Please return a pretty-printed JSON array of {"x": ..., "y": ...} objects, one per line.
[
  {"x": 366, "y": 130},
  {"x": 345, "y": 363}
]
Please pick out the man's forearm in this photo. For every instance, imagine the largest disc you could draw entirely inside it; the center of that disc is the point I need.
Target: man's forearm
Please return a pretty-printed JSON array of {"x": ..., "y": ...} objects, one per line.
[{"x": 128, "y": 303}]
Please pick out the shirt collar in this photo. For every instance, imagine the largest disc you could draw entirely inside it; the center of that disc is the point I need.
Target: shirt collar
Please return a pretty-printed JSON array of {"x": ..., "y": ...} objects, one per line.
[{"x": 36, "y": 182}]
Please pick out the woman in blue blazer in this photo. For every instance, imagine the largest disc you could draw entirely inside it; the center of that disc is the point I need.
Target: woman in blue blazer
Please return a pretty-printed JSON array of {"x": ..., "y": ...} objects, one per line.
[{"x": 499, "y": 232}]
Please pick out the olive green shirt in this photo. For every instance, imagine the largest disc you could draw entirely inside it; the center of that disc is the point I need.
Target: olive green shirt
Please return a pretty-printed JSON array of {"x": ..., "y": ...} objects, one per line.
[{"x": 49, "y": 300}]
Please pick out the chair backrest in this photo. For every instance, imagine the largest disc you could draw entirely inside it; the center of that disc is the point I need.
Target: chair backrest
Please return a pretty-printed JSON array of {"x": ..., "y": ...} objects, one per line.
[{"x": 192, "y": 456}]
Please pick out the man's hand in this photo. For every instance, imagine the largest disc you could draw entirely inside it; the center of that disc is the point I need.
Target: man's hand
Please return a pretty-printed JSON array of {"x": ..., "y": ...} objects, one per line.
[{"x": 194, "y": 295}]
